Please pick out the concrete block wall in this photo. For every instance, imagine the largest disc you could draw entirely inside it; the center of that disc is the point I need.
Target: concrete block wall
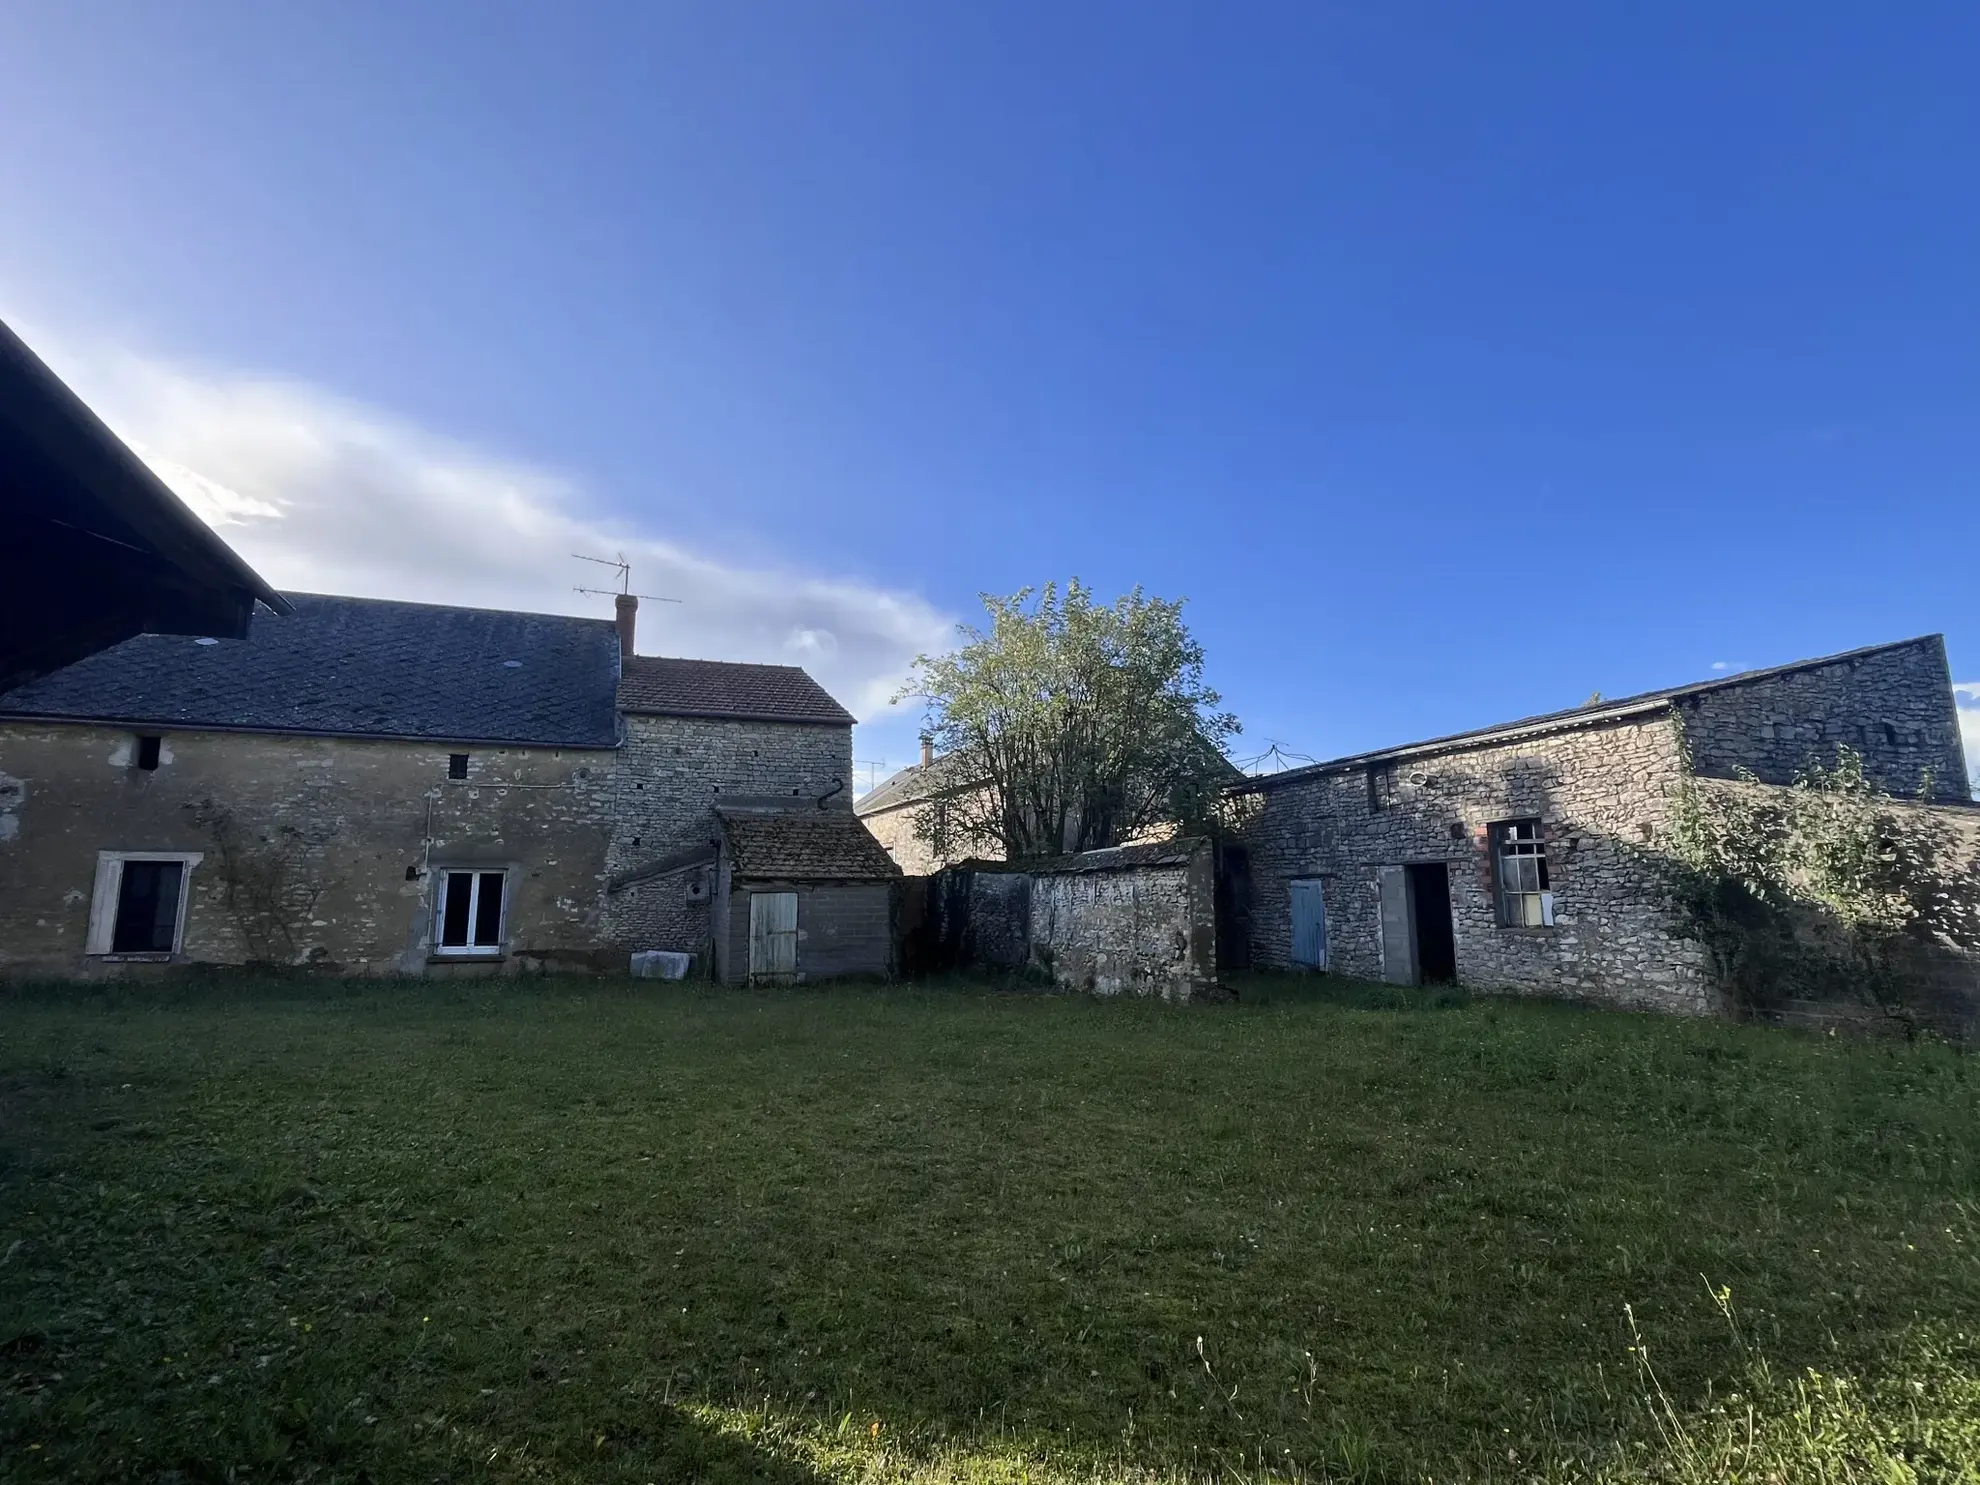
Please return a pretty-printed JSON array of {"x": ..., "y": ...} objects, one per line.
[
  {"x": 672, "y": 772},
  {"x": 1894, "y": 705},
  {"x": 1603, "y": 794},
  {"x": 358, "y": 825}
]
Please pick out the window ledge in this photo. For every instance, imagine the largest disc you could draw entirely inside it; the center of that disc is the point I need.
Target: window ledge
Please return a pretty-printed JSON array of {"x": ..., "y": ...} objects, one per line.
[
  {"x": 136, "y": 958},
  {"x": 491, "y": 958}
]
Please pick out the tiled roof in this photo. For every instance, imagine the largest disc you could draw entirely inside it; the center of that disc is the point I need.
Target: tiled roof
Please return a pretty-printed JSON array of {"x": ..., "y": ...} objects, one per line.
[
  {"x": 804, "y": 845},
  {"x": 912, "y": 784},
  {"x": 1592, "y": 714},
  {"x": 659, "y": 686},
  {"x": 357, "y": 667}
]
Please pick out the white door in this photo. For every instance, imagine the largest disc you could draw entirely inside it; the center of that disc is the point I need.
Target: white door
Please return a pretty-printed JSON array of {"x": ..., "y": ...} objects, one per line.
[{"x": 773, "y": 937}]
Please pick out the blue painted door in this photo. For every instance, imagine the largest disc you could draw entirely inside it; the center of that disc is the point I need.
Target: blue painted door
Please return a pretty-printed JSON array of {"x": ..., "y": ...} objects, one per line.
[{"x": 1309, "y": 925}]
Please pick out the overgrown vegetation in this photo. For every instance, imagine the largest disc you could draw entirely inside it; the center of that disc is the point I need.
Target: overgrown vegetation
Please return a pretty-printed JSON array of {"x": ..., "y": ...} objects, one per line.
[
  {"x": 1069, "y": 725},
  {"x": 564, "y": 1232},
  {"x": 1828, "y": 890}
]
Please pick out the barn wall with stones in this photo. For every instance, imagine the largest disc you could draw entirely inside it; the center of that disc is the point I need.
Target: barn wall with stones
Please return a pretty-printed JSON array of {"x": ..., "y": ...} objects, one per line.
[
  {"x": 672, "y": 773},
  {"x": 351, "y": 833},
  {"x": 1894, "y": 705},
  {"x": 1603, "y": 794}
]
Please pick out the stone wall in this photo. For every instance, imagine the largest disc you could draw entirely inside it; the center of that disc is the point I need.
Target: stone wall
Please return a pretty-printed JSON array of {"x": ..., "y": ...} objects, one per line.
[
  {"x": 1936, "y": 975},
  {"x": 894, "y": 829},
  {"x": 672, "y": 772},
  {"x": 1146, "y": 928},
  {"x": 356, "y": 829},
  {"x": 1894, "y": 705},
  {"x": 1603, "y": 794},
  {"x": 1133, "y": 920}
]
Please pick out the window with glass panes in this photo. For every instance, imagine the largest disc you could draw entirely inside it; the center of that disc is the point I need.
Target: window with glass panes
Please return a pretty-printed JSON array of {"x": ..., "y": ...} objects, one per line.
[
  {"x": 1520, "y": 861},
  {"x": 468, "y": 917}
]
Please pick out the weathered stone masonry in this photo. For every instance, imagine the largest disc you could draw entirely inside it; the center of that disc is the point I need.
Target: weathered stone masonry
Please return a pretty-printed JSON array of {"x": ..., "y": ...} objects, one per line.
[
  {"x": 1600, "y": 781},
  {"x": 359, "y": 828},
  {"x": 674, "y": 772}
]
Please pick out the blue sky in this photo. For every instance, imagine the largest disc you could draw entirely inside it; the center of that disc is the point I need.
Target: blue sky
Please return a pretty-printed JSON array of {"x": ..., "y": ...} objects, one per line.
[{"x": 1455, "y": 362}]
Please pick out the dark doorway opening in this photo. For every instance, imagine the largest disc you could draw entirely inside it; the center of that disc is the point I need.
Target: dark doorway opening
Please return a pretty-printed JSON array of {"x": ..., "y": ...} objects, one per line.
[{"x": 1430, "y": 906}]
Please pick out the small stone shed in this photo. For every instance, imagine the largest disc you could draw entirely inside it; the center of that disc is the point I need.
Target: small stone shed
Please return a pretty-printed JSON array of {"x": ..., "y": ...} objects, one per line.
[
  {"x": 801, "y": 894},
  {"x": 1129, "y": 920}
]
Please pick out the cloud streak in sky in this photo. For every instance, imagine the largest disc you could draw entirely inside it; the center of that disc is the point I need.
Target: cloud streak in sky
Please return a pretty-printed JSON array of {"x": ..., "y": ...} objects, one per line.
[
  {"x": 322, "y": 494},
  {"x": 1967, "y": 694}
]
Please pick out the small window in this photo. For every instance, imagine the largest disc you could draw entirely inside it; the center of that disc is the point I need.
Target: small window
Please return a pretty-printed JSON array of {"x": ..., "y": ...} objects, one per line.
[
  {"x": 457, "y": 765},
  {"x": 1381, "y": 787},
  {"x": 140, "y": 902},
  {"x": 147, "y": 753},
  {"x": 468, "y": 918},
  {"x": 1519, "y": 855}
]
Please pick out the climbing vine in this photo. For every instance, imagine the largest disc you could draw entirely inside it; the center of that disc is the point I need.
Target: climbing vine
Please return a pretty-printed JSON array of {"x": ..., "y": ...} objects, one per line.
[
  {"x": 1825, "y": 890},
  {"x": 270, "y": 884}
]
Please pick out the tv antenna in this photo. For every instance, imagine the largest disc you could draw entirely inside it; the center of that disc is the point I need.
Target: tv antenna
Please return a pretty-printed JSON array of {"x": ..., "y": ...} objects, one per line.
[{"x": 620, "y": 565}]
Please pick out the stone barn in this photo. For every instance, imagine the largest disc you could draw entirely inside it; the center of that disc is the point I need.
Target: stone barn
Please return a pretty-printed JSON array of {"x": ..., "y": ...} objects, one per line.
[{"x": 1524, "y": 857}]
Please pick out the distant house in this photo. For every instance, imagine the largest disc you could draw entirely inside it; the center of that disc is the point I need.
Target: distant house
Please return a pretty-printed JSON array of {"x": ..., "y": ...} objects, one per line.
[
  {"x": 894, "y": 809},
  {"x": 405, "y": 788},
  {"x": 1524, "y": 857}
]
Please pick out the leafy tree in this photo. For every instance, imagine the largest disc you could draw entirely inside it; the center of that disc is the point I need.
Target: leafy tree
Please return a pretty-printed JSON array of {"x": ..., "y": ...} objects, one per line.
[{"x": 1068, "y": 725}]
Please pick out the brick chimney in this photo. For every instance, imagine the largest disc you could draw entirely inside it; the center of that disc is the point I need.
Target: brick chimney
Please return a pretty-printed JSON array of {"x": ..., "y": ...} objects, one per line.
[
  {"x": 927, "y": 750},
  {"x": 627, "y": 608}
]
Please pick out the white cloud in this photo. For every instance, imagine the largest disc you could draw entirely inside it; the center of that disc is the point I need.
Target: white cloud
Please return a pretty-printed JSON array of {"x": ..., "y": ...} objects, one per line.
[
  {"x": 1968, "y": 697},
  {"x": 321, "y": 494}
]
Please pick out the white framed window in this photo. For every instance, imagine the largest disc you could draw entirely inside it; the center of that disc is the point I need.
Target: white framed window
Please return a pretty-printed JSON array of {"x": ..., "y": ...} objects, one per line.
[
  {"x": 470, "y": 912},
  {"x": 1519, "y": 865},
  {"x": 139, "y": 907}
]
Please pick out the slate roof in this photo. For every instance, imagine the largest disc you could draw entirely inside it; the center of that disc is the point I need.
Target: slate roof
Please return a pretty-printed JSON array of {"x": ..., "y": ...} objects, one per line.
[
  {"x": 357, "y": 667},
  {"x": 804, "y": 845},
  {"x": 1574, "y": 717},
  {"x": 656, "y": 685}
]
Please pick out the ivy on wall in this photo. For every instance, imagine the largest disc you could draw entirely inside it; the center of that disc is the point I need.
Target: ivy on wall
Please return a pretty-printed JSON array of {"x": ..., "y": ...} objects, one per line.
[{"x": 1826, "y": 890}]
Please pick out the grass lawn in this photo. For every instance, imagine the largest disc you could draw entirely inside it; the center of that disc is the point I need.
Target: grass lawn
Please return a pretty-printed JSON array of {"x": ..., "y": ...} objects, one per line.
[{"x": 585, "y": 1231}]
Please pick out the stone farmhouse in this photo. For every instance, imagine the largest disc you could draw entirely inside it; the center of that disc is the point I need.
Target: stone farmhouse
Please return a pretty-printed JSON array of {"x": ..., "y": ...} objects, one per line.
[
  {"x": 403, "y": 788},
  {"x": 1521, "y": 857}
]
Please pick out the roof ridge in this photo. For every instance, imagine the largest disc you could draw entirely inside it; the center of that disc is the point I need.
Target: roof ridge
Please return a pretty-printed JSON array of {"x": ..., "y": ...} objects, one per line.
[
  {"x": 455, "y": 608},
  {"x": 1604, "y": 711}
]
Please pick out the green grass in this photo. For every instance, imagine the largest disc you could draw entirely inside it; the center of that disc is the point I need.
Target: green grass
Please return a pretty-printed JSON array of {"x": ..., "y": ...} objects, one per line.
[{"x": 583, "y": 1231}]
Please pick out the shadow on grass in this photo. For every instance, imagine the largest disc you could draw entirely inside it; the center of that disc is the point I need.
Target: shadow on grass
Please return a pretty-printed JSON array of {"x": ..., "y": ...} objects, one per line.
[
  {"x": 474, "y": 1226},
  {"x": 1349, "y": 994}
]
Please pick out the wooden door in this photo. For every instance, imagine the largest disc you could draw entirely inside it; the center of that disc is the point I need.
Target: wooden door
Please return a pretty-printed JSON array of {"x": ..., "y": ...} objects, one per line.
[
  {"x": 773, "y": 937},
  {"x": 1398, "y": 928},
  {"x": 1309, "y": 925}
]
